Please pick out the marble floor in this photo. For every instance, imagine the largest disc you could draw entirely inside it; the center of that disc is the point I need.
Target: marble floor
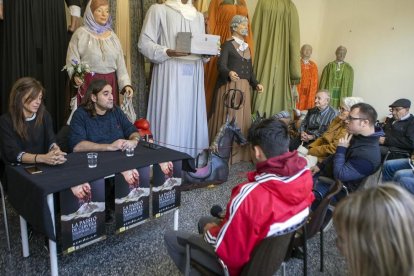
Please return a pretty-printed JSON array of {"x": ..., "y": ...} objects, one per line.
[{"x": 141, "y": 251}]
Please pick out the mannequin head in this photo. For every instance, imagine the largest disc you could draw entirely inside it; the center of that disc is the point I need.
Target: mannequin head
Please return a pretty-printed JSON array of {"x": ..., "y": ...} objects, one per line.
[
  {"x": 100, "y": 11},
  {"x": 239, "y": 25},
  {"x": 340, "y": 53},
  {"x": 306, "y": 51}
]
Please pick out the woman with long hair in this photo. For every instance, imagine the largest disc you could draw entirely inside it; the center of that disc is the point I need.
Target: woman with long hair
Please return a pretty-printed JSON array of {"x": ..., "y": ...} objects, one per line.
[
  {"x": 375, "y": 231},
  {"x": 26, "y": 132}
]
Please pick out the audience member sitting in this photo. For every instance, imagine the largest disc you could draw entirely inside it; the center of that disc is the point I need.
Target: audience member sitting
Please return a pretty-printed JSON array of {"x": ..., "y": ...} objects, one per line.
[
  {"x": 375, "y": 231},
  {"x": 316, "y": 121},
  {"x": 399, "y": 131},
  {"x": 357, "y": 154},
  {"x": 400, "y": 171},
  {"x": 275, "y": 199},
  {"x": 326, "y": 144}
]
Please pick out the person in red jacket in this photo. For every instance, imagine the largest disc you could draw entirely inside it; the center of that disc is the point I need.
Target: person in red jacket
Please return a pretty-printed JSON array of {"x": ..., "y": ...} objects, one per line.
[{"x": 275, "y": 200}]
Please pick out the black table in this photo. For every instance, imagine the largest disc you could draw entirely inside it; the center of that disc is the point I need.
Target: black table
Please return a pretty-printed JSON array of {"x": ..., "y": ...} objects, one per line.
[{"x": 32, "y": 194}]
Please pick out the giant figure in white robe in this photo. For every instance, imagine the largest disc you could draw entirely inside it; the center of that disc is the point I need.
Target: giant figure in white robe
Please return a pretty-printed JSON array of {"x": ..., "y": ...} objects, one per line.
[{"x": 176, "y": 107}]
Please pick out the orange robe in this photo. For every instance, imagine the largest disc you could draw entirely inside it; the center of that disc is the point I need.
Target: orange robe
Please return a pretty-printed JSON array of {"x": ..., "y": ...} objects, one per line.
[
  {"x": 308, "y": 85},
  {"x": 219, "y": 18}
]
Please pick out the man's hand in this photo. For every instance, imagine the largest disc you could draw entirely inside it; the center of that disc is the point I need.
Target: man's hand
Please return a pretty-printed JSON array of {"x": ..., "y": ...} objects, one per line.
[
  {"x": 117, "y": 145},
  {"x": 130, "y": 144},
  {"x": 209, "y": 225},
  {"x": 81, "y": 191},
  {"x": 344, "y": 141},
  {"x": 382, "y": 140},
  {"x": 174, "y": 53},
  {"x": 131, "y": 177}
]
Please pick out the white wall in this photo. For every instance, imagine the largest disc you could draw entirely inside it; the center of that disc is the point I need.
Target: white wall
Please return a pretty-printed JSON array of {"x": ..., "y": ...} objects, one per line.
[{"x": 379, "y": 36}]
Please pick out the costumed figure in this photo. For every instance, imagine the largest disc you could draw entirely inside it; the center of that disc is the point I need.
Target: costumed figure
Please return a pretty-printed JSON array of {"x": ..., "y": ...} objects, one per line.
[
  {"x": 338, "y": 77},
  {"x": 276, "y": 61},
  {"x": 235, "y": 78},
  {"x": 33, "y": 42},
  {"x": 176, "y": 107},
  {"x": 220, "y": 14},
  {"x": 96, "y": 45},
  {"x": 309, "y": 81}
]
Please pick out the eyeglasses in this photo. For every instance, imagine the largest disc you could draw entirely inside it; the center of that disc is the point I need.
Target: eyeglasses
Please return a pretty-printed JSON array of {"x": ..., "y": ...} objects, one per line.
[
  {"x": 396, "y": 109},
  {"x": 350, "y": 118}
]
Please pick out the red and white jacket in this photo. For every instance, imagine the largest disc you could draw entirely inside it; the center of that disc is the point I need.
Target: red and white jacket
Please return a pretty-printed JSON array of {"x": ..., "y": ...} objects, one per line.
[{"x": 276, "y": 199}]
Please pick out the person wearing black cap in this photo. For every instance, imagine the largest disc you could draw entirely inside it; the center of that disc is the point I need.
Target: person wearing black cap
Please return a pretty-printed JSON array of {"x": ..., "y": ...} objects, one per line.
[{"x": 399, "y": 131}]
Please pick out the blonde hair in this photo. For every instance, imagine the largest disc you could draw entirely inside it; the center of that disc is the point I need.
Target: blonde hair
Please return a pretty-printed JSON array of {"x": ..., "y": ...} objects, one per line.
[{"x": 375, "y": 231}]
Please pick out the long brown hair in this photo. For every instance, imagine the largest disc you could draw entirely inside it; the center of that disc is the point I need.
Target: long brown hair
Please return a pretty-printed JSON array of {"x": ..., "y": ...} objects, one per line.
[
  {"x": 21, "y": 88},
  {"x": 94, "y": 88},
  {"x": 374, "y": 229}
]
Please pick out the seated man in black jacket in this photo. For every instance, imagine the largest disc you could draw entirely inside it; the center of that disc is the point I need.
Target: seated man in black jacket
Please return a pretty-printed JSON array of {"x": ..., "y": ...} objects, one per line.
[{"x": 399, "y": 131}]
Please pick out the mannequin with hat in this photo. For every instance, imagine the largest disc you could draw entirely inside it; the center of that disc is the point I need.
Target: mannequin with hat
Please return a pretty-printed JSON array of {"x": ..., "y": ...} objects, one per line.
[
  {"x": 97, "y": 45},
  {"x": 399, "y": 131}
]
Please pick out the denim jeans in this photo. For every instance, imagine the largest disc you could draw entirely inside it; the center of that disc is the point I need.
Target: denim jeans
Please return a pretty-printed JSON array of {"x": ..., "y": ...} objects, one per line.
[{"x": 395, "y": 169}]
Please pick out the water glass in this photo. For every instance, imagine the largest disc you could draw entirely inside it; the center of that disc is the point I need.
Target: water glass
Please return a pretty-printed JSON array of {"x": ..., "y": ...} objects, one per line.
[
  {"x": 92, "y": 159},
  {"x": 129, "y": 152}
]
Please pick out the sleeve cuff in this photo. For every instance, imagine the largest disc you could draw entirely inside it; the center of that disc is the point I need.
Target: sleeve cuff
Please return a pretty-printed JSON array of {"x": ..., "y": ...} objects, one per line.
[{"x": 74, "y": 10}]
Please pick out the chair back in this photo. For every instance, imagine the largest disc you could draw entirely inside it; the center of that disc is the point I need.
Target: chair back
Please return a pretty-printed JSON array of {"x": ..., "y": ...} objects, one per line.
[
  {"x": 268, "y": 255},
  {"x": 316, "y": 218},
  {"x": 371, "y": 180}
]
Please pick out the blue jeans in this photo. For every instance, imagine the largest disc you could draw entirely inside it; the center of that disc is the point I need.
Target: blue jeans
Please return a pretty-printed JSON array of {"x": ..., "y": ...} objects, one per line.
[{"x": 396, "y": 168}]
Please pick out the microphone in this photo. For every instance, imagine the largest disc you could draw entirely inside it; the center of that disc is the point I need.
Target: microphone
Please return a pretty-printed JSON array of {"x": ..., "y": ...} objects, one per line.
[{"x": 217, "y": 211}]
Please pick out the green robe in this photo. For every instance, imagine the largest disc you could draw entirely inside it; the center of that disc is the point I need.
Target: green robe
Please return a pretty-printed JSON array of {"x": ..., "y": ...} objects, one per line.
[
  {"x": 338, "y": 82},
  {"x": 276, "y": 35}
]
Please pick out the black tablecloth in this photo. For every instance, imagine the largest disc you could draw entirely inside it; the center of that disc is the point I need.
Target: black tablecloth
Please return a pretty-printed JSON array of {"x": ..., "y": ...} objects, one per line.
[{"x": 28, "y": 192}]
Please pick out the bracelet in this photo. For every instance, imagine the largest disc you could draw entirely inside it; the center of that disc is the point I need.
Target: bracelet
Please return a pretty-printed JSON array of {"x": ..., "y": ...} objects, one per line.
[{"x": 35, "y": 159}]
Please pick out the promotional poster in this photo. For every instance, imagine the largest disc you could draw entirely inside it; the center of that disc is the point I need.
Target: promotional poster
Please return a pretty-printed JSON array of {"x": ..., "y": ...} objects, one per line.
[
  {"x": 132, "y": 200},
  {"x": 165, "y": 193},
  {"x": 82, "y": 215}
]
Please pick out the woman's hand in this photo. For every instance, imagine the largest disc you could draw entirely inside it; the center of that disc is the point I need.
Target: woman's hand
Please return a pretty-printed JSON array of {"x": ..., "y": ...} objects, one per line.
[
  {"x": 259, "y": 88},
  {"x": 315, "y": 169},
  {"x": 53, "y": 157},
  {"x": 78, "y": 81},
  {"x": 233, "y": 76},
  {"x": 129, "y": 92}
]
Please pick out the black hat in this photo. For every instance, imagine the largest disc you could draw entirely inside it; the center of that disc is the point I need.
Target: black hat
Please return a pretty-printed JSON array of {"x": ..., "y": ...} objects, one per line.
[{"x": 401, "y": 103}]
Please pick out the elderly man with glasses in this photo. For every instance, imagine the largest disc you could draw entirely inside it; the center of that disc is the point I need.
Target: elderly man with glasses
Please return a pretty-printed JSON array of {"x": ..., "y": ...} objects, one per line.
[{"x": 398, "y": 140}]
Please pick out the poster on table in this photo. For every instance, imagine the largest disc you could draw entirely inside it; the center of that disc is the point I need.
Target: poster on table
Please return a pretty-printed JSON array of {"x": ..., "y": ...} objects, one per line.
[
  {"x": 132, "y": 200},
  {"x": 166, "y": 195},
  {"x": 82, "y": 215}
]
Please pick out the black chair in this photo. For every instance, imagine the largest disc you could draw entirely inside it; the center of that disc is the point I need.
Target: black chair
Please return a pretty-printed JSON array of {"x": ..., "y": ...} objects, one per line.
[
  {"x": 315, "y": 223},
  {"x": 266, "y": 258}
]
